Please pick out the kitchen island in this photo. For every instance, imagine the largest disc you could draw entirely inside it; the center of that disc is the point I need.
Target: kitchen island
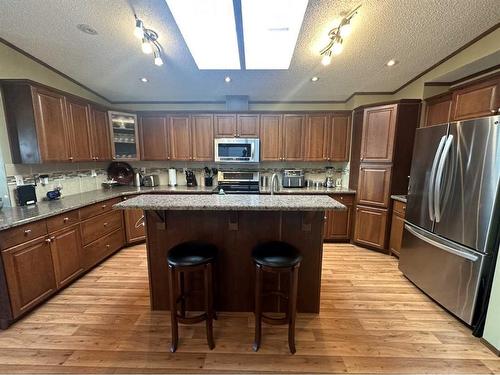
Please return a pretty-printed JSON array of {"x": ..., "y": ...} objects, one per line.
[{"x": 235, "y": 224}]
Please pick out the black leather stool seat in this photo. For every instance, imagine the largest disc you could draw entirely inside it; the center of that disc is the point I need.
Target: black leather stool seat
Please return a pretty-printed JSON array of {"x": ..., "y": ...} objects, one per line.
[
  {"x": 192, "y": 253},
  {"x": 276, "y": 254}
]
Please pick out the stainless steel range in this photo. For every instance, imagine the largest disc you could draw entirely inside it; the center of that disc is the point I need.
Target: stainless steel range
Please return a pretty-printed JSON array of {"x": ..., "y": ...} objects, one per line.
[{"x": 235, "y": 182}]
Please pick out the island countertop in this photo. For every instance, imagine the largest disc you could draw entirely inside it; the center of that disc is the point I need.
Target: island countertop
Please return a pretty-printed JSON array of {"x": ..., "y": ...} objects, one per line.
[{"x": 232, "y": 202}]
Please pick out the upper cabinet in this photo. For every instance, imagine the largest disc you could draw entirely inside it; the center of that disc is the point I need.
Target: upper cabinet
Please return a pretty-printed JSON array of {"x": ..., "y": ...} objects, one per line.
[
  {"x": 316, "y": 140},
  {"x": 202, "y": 137},
  {"x": 378, "y": 134},
  {"x": 339, "y": 138},
  {"x": 47, "y": 126},
  {"x": 271, "y": 137},
  {"x": 232, "y": 125},
  {"x": 124, "y": 135},
  {"x": 293, "y": 137},
  {"x": 438, "y": 110},
  {"x": 153, "y": 138},
  {"x": 248, "y": 126},
  {"x": 481, "y": 99},
  {"x": 225, "y": 126},
  {"x": 179, "y": 134}
]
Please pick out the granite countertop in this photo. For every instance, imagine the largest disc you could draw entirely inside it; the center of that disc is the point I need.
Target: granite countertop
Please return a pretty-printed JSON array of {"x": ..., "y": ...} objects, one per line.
[
  {"x": 401, "y": 198},
  {"x": 232, "y": 202},
  {"x": 310, "y": 190}
]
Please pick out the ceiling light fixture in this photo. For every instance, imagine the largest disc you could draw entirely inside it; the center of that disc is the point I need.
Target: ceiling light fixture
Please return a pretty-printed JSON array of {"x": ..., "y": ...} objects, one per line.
[
  {"x": 391, "y": 62},
  {"x": 144, "y": 79},
  {"x": 149, "y": 41},
  {"x": 227, "y": 79},
  {"x": 315, "y": 79},
  {"x": 337, "y": 35}
]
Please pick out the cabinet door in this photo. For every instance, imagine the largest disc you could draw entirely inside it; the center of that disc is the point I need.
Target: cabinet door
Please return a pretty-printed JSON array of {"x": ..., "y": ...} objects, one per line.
[
  {"x": 477, "y": 100},
  {"x": 134, "y": 226},
  {"x": 397, "y": 227},
  {"x": 202, "y": 135},
  {"x": 99, "y": 135},
  {"x": 379, "y": 125},
  {"x": 339, "y": 140},
  {"x": 357, "y": 135},
  {"x": 293, "y": 136},
  {"x": 225, "y": 126},
  {"x": 374, "y": 185},
  {"x": 315, "y": 146},
  {"x": 338, "y": 224},
  {"x": 66, "y": 247},
  {"x": 248, "y": 126},
  {"x": 438, "y": 111},
  {"x": 153, "y": 137},
  {"x": 79, "y": 130},
  {"x": 51, "y": 125},
  {"x": 271, "y": 138},
  {"x": 371, "y": 226},
  {"x": 179, "y": 138},
  {"x": 30, "y": 274}
]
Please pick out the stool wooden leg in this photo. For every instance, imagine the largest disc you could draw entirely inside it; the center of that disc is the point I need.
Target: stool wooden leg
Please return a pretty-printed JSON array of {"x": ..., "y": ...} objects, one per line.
[
  {"x": 258, "y": 307},
  {"x": 182, "y": 291},
  {"x": 292, "y": 307},
  {"x": 209, "y": 304},
  {"x": 173, "y": 309}
]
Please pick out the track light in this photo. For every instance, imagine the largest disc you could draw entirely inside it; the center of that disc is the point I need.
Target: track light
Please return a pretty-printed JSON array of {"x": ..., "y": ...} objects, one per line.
[
  {"x": 139, "y": 29},
  {"x": 158, "y": 60},
  {"x": 146, "y": 47},
  {"x": 327, "y": 58},
  {"x": 149, "y": 41}
]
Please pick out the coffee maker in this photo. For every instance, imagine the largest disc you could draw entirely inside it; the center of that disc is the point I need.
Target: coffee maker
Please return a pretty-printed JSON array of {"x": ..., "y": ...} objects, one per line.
[{"x": 191, "y": 178}]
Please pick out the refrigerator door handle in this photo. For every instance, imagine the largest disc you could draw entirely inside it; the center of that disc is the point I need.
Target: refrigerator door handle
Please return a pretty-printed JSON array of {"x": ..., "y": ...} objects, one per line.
[
  {"x": 439, "y": 178},
  {"x": 430, "y": 195},
  {"x": 451, "y": 250}
]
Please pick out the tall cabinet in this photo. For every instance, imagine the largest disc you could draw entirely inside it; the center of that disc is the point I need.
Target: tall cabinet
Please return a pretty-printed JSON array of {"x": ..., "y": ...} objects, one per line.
[{"x": 385, "y": 151}]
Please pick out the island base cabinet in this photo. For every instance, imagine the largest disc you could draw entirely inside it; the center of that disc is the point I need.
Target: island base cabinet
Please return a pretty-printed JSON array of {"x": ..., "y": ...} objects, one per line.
[
  {"x": 30, "y": 275},
  {"x": 371, "y": 227},
  {"x": 67, "y": 255},
  {"x": 338, "y": 223},
  {"x": 103, "y": 247}
]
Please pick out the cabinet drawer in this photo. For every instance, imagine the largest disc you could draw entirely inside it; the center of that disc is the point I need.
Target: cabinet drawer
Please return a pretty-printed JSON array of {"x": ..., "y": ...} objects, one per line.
[
  {"x": 98, "y": 208},
  {"x": 96, "y": 227},
  {"x": 18, "y": 235},
  {"x": 62, "y": 221},
  {"x": 399, "y": 208},
  {"x": 100, "y": 249},
  {"x": 346, "y": 199}
]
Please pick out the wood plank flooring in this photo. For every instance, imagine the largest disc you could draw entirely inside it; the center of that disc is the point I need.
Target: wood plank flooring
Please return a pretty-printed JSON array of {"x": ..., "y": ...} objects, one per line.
[{"x": 372, "y": 320}]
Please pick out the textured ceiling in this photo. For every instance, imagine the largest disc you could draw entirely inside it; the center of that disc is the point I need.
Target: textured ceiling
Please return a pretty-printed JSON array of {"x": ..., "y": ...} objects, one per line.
[{"x": 417, "y": 33}]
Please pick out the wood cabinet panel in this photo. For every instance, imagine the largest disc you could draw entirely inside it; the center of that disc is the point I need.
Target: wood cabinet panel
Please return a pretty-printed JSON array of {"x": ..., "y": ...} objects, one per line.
[
  {"x": 225, "y": 126},
  {"x": 21, "y": 234},
  {"x": 62, "y": 221},
  {"x": 374, "y": 185},
  {"x": 103, "y": 247},
  {"x": 51, "y": 125},
  {"x": 96, "y": 227},
  {"x": 379, "y": 125},
  {"x": 478, "y": 100},
  {"x": 66, "y": 248},
  {"x": 99, "y": 135},
  {"x": 248, "y": 126},
  {"x": 357, "y": 134},
  {"x": 134, "y": 225},
  {"x": 293, "y": 136},
  {"x": 371, "y": 226},
  {"x": 339, "y": 138},
  {"x": 397, "y": 227},
  {"x": 97, "y": 208},
  {"x": 438, "y": 111},
  {"x": 79, "y": 130},
  {"x": 338, "y": 223},
  {"x": 202, "y": 134},
  {"x": 153, "y": 138},
  {"x": 179, "y": 138},
  {"x": 316, "y": 131},
  {"x": 30, "y": 274},
  {"x": 271, "y": 137}
]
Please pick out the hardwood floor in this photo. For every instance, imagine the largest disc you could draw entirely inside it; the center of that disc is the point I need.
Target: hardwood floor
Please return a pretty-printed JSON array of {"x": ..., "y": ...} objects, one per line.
[{"x": 372, "y": 320}]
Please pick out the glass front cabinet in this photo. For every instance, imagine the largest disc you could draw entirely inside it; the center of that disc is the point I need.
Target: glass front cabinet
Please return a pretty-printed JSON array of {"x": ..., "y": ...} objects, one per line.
[{"x": 124, "y": 135}]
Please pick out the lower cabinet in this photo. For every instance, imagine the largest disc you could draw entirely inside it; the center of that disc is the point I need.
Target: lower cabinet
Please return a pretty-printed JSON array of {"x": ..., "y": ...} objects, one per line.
[
  {"x": 397, "y": 227},
  {"x": 134, "y": 225},
  {"x": 67, "y": 254},
  {"x": 338, "y": 223},
  {"x": 103, "y": 247},
  {"x": 371, "y": 226},
  {"x": 30, "y": 275}
]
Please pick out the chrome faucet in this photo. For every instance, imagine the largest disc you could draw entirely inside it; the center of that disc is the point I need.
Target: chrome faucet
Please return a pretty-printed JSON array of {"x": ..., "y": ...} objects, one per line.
[{"x": 275, "y": 183}]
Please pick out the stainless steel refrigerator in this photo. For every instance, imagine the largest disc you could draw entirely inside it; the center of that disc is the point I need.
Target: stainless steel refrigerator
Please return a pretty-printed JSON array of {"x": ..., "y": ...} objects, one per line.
[{"x": 451, "y": 232}]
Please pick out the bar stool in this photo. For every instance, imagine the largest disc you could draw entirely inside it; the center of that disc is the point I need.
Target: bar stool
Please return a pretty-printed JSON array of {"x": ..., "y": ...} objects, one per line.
[
  {"x": 276, "y": 257},
  {"x": 190, "y": 257}
]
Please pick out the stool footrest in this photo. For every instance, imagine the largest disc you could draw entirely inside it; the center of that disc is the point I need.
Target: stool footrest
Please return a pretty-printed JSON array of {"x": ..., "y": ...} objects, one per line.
[
  {"x": 274, "y": 321},
  {"x": 275, "y": 293},
  {"x": 192, "y": 319}
]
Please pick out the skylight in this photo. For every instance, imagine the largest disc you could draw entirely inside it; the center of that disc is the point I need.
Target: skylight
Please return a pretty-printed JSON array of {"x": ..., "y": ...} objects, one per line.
[
  {"x": 208, "y": 27},
  {"x": 270, "y": 29}
]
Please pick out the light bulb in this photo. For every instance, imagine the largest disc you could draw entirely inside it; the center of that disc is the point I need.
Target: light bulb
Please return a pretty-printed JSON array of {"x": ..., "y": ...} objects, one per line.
[
  {"x": 158, "y": 59},
  {"x": 139, "y": 29},
  {"x": 146, "y": 47},
  {"x": 327, "y": 59},
  {"x": 227, "y": 79},
  {"x": 337, "y": 47},
  {"x": 345, "y": 30}
]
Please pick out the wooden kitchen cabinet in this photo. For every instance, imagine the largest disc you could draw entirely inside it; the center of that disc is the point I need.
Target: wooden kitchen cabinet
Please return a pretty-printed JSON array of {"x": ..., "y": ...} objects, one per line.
[
  {"x": 379, "y": 126},
  {"x": 477, "y": 100},
  {"x": 225, "y": 126},
  {"x": 66, "y": 248},
  {"x": 99, "y": 134},
  {"x": 438, "y": 110},
  {"x": 355, "y": 159},
  {"x": 153, "y": 136},
  {"x": 248, "y": 126},
  {"x": 371, "y": 226},
  {"x": 202, "y": 137},
  {"x": 134, "y": 225},
  {"x": 397, "y": 227},
  {"x": 179, "y": 138},
  {"x": 271, "y": 137},
  {"x": 293, "y": 137},
  {"x": 316, "y": 137},
  {"x": 338, "y": 139},
  {"x": 79, "y": 130},
  {"x": 374, "y": 184},
  {"x": 338, "y": 223},
  {"x": 30, "y": 275}
]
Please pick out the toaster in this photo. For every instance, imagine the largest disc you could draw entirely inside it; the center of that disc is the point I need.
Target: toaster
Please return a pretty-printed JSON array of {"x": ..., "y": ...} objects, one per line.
[
  {"x": 293, "y": 178},
  {"x": 151, "y": 180}
]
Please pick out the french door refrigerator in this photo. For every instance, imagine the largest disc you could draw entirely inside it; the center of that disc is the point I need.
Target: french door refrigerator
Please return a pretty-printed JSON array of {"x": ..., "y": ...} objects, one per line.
[{"x": 451, "y": 231}]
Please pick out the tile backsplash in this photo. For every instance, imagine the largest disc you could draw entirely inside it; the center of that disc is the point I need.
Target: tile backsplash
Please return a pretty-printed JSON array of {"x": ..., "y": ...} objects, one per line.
[{"x": 77, "y": 178}]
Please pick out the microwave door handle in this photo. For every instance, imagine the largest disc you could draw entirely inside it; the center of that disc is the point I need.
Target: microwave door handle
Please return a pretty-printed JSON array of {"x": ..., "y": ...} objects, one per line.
[
  {"x": 439, "y": 178},
  {"x": 430, "y": 191},
  {"x": 252, "y": 150}
]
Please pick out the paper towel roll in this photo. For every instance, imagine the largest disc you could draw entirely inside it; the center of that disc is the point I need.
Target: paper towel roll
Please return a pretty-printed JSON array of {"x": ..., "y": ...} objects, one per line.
[{"x": 172, "y": 177}]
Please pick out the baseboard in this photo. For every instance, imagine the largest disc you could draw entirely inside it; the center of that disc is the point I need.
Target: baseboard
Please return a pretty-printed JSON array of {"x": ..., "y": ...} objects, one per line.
[{"x": 491, "y": 347}]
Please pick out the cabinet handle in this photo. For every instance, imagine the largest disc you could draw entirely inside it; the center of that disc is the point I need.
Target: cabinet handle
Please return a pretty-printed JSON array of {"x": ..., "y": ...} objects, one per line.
[
  {"x": 105, "y": 224},
  {"x": 70, "y": 158},
  {"x": 97, "y": 158},
  {"x": 108, "y": 246},
  {"x": 66, "y": 219},
  {"x": 52, "y": 238},
  {"x": 27, "y": 232},
  {"x": 48, "y": 240},
  {"x": 103, "y": 206}
]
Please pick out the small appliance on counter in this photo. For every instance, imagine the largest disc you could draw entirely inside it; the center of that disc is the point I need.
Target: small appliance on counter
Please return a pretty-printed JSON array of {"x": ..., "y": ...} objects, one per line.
[
  {"x": 137, "y": 179},
  {"x": 191, "y": 178},
  {"x": 330, "y": 180},
  {"x": 293, "y": 178},
  {"x": 54, "y": 194},
  {"x": 26, "y": 194},
  {"x": 151, "y": 180},
  {"x": 172, "y": 177}
]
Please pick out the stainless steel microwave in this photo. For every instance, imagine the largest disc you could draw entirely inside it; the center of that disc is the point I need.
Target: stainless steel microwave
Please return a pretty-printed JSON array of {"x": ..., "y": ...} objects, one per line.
[{"x": 237, "y": 150}]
